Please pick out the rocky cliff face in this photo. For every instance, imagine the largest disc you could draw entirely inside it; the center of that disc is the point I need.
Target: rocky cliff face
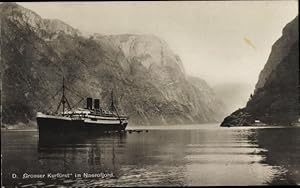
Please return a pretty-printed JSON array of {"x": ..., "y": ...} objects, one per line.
[
  {"x": 56, "y": 26},
  {"x": 280, "y": 50},
  {"x": 275, "y": 100},
  {"x": 148, "y": 79}
]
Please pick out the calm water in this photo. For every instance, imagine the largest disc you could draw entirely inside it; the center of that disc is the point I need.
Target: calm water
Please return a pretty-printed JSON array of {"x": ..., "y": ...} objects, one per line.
[{"x": 177, "y": 156}]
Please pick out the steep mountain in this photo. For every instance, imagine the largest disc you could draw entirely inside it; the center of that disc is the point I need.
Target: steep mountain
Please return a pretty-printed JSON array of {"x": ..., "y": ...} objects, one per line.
[
  {"x": 275, "y": 100},
  {"x": 280, "y": 49},
  {"x": 147, "y": 78}
]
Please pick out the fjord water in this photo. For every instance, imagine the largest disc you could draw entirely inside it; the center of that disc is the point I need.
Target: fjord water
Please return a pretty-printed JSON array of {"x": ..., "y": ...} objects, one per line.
[{"x": 165, "y": 155}]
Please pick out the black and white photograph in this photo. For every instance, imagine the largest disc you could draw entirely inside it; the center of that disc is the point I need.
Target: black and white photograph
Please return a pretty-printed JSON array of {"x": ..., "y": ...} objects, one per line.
[{"x": 149, "y": 93}]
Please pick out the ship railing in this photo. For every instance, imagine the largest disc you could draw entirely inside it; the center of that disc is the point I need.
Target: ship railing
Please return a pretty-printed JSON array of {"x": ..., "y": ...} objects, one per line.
[{"x": 76, "y": 118}]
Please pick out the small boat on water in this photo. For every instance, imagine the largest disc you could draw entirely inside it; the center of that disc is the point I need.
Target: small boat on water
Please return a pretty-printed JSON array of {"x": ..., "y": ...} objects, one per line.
[
  {"x": 92, "y": 119},
  {"x": 297, "y": 123},
  {"x": 259, "y": 123}
]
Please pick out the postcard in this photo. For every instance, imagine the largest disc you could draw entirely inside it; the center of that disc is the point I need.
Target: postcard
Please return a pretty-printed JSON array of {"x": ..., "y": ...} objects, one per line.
[{"x": 158, "y": 93}]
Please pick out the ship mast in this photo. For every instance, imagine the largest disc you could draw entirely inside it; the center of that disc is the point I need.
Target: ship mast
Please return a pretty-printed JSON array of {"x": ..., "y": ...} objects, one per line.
[
  {"x": 64, "y": 99},
  {"x": 63, "y": 95},
  {"x": 112, "y": 101},
  {"x": 112, "y": 106}
]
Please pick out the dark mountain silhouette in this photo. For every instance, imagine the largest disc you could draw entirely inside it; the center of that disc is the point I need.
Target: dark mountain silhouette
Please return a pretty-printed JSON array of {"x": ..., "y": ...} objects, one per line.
[{"x": 275, "y": 100}]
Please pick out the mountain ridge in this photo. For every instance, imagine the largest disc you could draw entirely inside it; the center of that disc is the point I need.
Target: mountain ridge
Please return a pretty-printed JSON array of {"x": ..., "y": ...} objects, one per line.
[{"x": 150, "y": 85}]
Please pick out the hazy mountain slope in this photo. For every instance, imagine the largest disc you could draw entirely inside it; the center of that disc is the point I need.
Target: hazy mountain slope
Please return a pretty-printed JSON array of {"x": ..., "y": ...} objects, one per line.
[
  {"x": 233, "y": 95},
  {"x": 276, "y": 102},
  {"x": 148, "y": 79}
]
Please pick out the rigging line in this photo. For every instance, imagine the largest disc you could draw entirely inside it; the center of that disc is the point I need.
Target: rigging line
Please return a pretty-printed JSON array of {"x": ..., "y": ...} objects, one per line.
[
  {"x": 66, "y": 100},
  {"x": 118, "y": 114},
  {"x": 58, "y": 106},
  {"x": 53, "y": 97},
  {"x": 78, "y": 102},
  {"x": 49, "y": 107},
  {"x": 74, "y": 92},
  {"x": 56, "y": 93},
  {"x": 68, "y": 103},
  {"x": 113, "y": 106}
]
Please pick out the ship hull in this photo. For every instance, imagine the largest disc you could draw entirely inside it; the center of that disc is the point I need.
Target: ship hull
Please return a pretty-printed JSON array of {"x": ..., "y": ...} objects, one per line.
[{"x": 63, "y": 126}]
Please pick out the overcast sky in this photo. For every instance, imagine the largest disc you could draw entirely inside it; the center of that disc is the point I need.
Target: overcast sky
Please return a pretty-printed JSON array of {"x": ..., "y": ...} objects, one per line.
[{"x": 222, "y": 42}]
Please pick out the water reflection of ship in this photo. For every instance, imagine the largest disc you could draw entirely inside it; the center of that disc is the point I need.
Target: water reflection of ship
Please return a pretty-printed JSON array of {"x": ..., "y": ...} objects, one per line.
[{"x": 81, "y": 154}]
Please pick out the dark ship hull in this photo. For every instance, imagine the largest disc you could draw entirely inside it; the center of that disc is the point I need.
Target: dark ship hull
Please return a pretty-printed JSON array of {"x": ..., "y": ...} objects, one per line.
[{"x": 55, "y": 125}]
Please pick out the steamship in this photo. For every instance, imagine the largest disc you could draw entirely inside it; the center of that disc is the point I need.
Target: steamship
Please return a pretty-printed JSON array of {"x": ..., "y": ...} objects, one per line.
[{"x": 91, "y": 119}]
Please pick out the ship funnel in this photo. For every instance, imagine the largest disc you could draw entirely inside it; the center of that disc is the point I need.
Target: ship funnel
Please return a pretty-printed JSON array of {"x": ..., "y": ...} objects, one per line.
[
  {"x": 96, "y": 104},
  {"x": 89, "y": 103}
]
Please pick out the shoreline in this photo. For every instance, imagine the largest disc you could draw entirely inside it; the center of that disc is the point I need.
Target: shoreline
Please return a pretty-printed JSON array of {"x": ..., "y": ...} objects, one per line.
[
  {"x": 167, "y": 127},
  {"x": 18, "y": 129}
]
